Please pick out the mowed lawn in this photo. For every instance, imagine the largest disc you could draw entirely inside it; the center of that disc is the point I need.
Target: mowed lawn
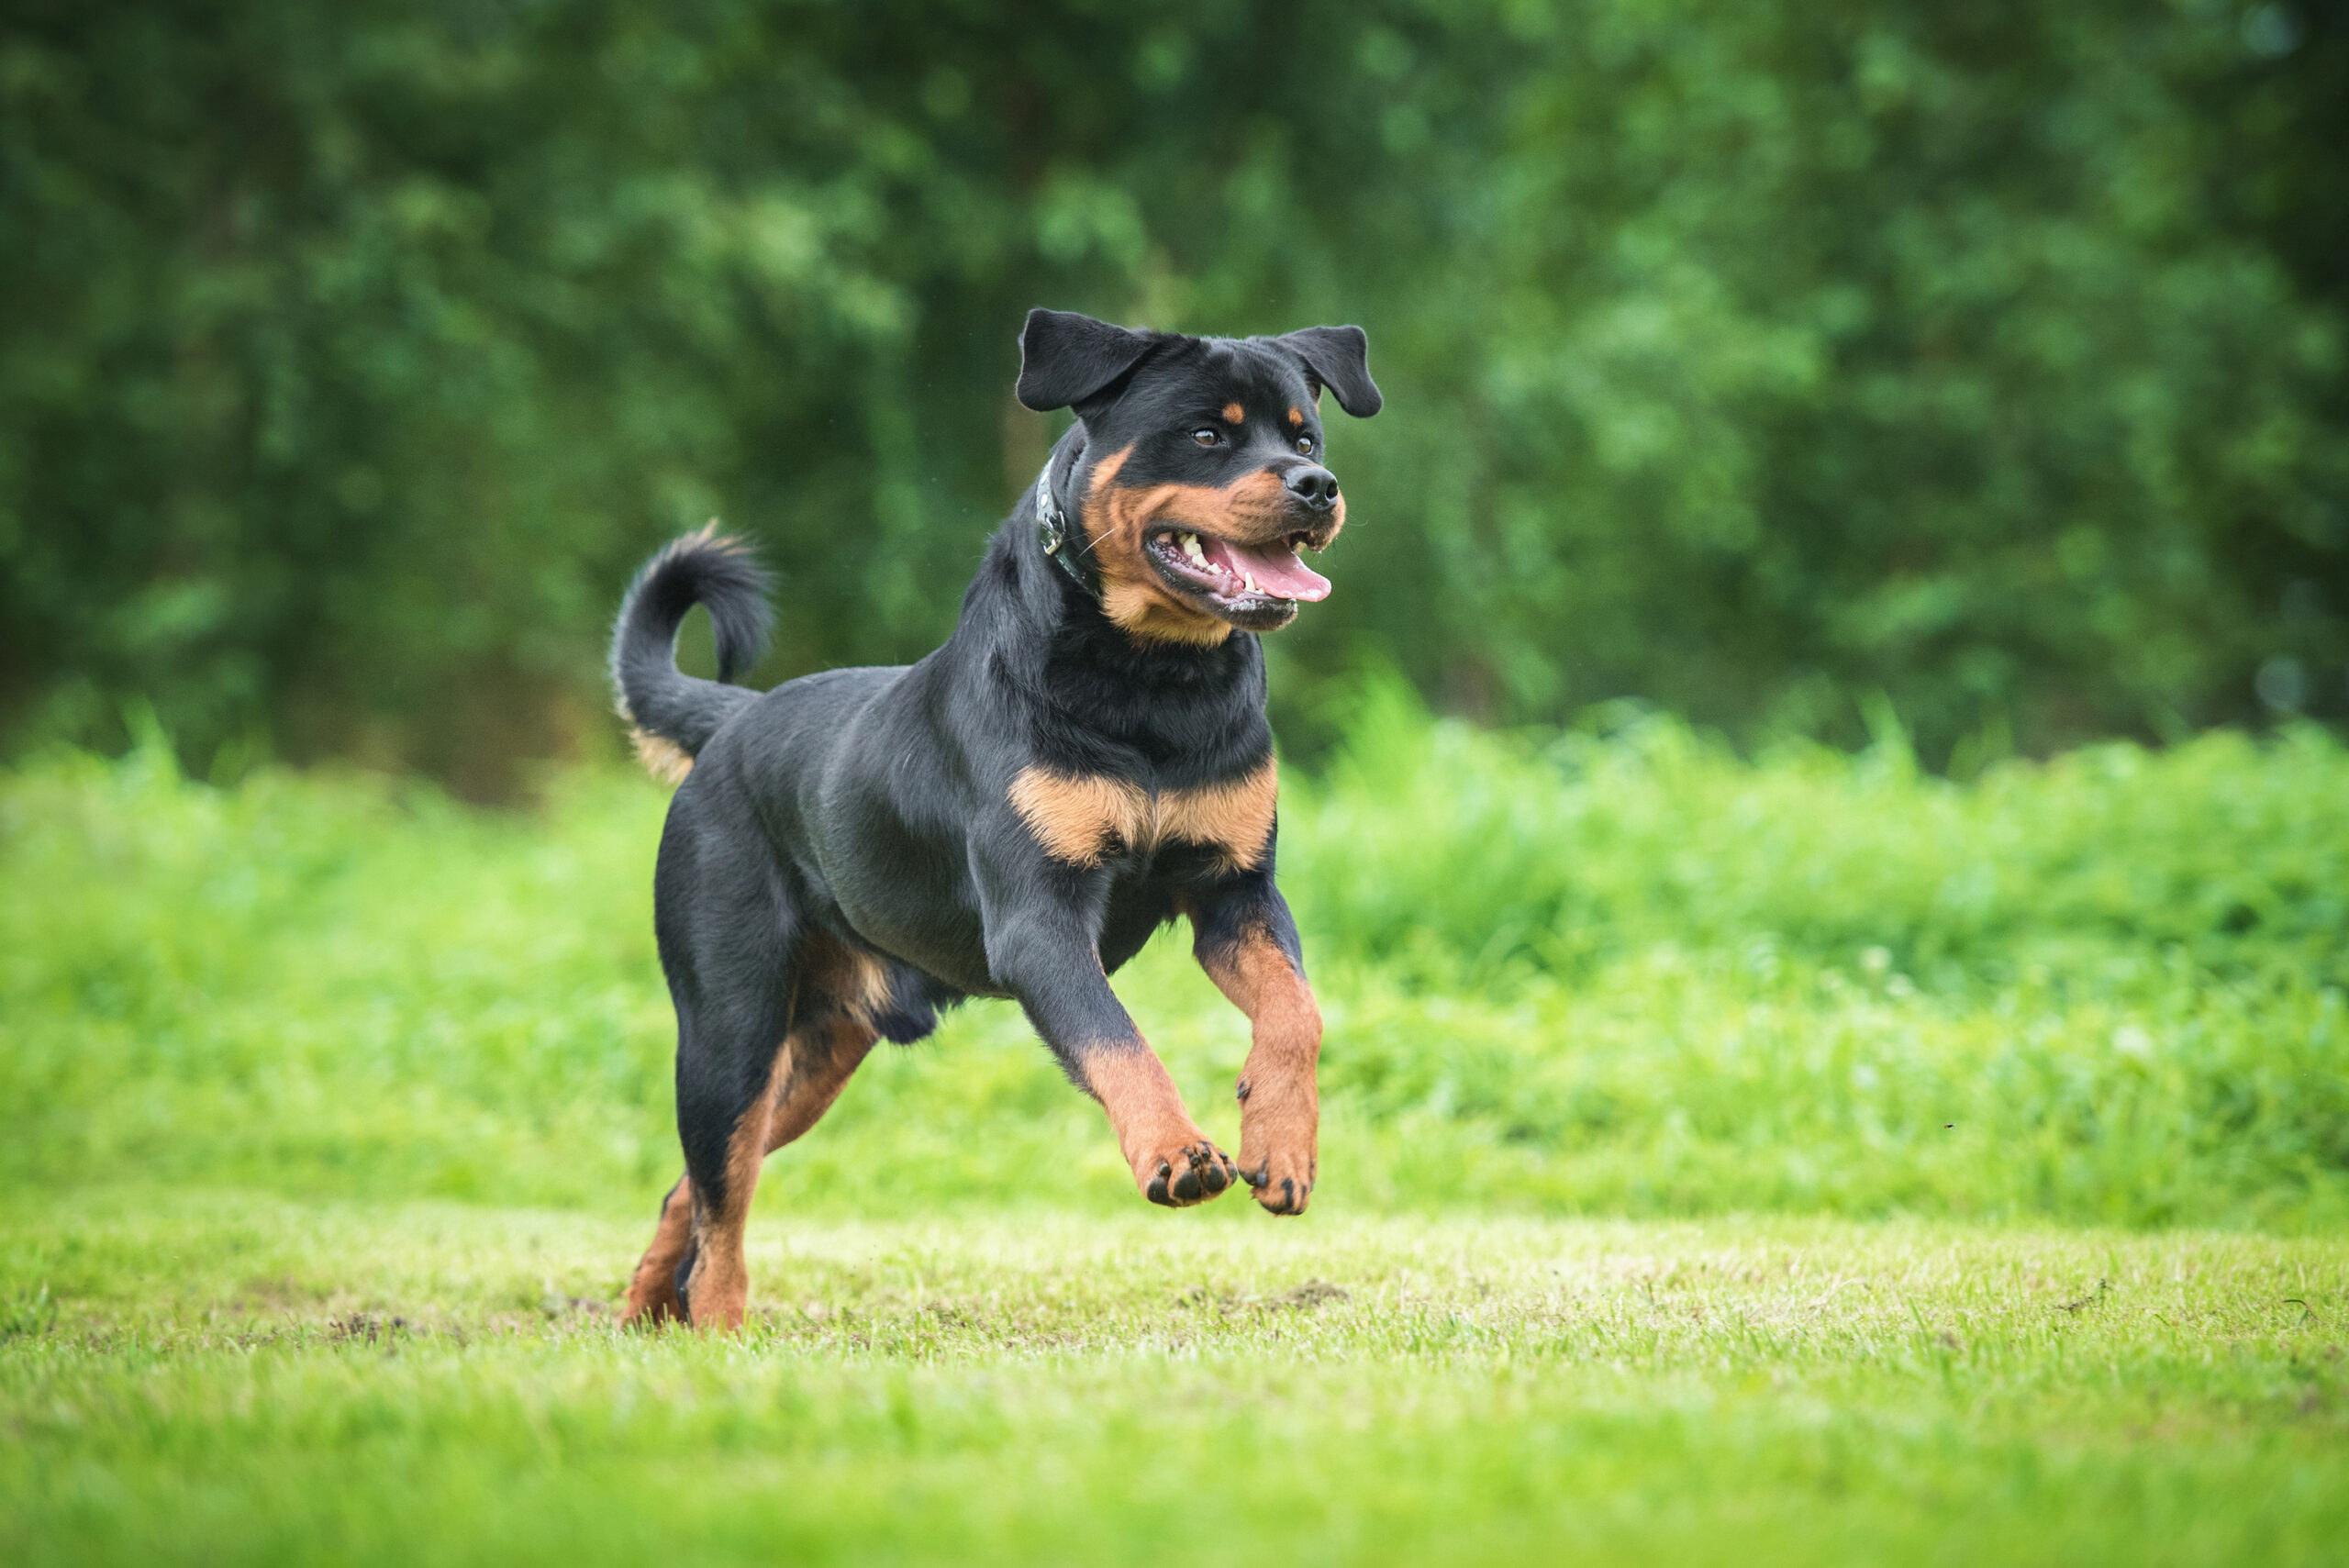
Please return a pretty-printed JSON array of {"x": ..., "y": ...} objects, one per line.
[
  {"x": 1804, "y": 1160},
  {"x": 237, "y": 1378}
]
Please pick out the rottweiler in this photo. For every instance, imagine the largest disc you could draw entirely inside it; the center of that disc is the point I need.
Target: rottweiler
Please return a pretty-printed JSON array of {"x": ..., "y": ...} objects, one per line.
[{"x": 1085, "y": 758}]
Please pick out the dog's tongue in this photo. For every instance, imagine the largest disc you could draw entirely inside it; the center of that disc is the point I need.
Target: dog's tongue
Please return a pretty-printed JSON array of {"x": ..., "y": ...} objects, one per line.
[{"x": 1278, "y": 572}]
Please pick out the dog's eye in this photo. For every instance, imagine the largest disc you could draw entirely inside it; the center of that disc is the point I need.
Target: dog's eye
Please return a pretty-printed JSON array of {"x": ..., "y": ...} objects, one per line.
[
  {"x": 1206, "y": 436},
  {"x": 1305, "y": 445}
]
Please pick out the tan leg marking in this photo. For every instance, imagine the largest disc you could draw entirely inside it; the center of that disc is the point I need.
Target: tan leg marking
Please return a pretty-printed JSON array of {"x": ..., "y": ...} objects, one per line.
[
  {"x": 833, "y": 1052},
  {"x": 1280, "y": 1103},
  {"x": 719, "y": 1290},
  {"x": 814, "y": 1065},
  {"x": 857, "y": 983},
  {"x": 1173, "y": 1161},
  {"x": 652, "y": 1289}
]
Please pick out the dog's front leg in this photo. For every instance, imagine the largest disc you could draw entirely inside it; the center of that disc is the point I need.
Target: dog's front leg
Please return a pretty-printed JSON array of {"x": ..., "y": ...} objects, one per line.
[
  {"x": 1044, "y": 953},
  {"x": 1243, "y": 937}
]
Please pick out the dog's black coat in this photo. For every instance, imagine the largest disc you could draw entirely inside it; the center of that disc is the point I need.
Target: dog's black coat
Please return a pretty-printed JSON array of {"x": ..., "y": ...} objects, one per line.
[{"x": 870, "y": 805}]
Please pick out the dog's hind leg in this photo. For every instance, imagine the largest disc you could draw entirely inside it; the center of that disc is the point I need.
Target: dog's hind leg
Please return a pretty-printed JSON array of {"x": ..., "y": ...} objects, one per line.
[
  {"x": 725, "y": 1121},
  {"x": 729, "y": 929},
  {"x": 832, "y": 997},
  {"x": 822, "y": 1057},
  {"x": 712, "y": 1278},
  {"x": 726, "y": 1093},
  {"x": 726, "y": 1083},
  {"x": 652, "y": 1289}
]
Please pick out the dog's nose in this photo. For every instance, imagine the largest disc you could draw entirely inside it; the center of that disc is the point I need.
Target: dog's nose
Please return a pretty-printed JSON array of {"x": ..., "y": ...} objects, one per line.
[{"x": 1312, "y": 485}]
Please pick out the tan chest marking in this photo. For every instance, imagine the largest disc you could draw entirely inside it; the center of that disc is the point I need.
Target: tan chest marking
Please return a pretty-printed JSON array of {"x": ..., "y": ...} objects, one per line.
[{"x": 1082, "y": 818}]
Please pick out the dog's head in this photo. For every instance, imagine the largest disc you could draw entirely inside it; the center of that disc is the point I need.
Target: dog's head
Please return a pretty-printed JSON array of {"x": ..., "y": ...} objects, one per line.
[{"x": 1201, "y": 481}]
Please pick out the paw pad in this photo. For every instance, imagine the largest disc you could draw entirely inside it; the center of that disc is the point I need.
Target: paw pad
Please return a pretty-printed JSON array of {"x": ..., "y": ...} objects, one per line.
[
  {"x": 1284, "y": 1194},
  {"x": 1193, "y": 1175}
]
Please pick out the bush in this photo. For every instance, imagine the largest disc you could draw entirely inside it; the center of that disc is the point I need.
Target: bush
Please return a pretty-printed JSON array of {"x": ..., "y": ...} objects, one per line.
[
  {"x": 1748, "y": 358},
  {"x": 1618, "y": 972}
]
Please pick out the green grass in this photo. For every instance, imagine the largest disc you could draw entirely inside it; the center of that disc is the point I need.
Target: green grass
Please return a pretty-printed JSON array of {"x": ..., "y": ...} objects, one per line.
[
  {"x": 236, "y": 1378},
  {"x": 1608, "y": 975},
  {"x": 1799, "y": 1160}
]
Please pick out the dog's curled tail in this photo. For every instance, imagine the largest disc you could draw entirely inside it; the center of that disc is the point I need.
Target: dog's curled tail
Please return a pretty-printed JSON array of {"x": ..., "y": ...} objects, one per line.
[{"x": 672, "y": 714}]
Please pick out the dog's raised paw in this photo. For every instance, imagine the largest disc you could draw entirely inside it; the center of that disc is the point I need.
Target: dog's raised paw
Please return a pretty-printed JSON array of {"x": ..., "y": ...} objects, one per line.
[
  {"x": 1191, "y": 1174},
  {"x": 1282, "y": 1184}
]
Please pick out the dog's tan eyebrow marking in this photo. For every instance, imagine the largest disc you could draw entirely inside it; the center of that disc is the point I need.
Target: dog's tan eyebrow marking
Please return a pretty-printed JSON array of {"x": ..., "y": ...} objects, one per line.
[
  {"x": 1233, "y": 414},
  {"x": 1295, "y": 417}
]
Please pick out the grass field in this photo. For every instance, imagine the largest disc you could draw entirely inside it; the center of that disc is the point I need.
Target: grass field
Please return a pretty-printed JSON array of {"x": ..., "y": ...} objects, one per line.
[
  {"x": 234, "y": 1378},
  {"x": 1804, "y": 1160}
]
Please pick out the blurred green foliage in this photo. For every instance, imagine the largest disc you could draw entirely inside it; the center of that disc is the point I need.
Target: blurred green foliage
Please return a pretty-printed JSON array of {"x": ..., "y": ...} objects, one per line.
[
  {"x": 1566, "y": 852},
  {"x": 1752, "y": 358},
  {"x": 1619, "y": 972}
]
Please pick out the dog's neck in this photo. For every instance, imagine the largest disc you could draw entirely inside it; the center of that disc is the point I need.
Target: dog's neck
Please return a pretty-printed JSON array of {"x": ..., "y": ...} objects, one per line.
[
  {"x": 1094, "y": 698},
  {"x": 1059, "y": 534},
  {"x": 1056, "y": 534},
  {"x": 1104, "y": 700}
]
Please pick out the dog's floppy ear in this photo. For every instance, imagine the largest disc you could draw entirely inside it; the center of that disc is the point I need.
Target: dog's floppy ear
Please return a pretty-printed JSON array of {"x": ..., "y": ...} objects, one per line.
[
  {"x": 1065, "y": 358},
  {"x": 1338, "y": 358}
]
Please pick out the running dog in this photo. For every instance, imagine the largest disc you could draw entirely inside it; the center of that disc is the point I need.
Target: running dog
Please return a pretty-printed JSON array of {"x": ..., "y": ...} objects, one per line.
[{"x": 1085, "y": 758}]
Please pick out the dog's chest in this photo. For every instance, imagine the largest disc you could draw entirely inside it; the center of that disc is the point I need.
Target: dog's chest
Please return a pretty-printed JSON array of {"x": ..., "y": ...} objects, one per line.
[{"x": 1085, "y": 820}]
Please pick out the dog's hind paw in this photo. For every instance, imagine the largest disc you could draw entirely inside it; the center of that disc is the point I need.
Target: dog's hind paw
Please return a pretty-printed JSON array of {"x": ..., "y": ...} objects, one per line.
[{"x": 1191, "y": 1174}]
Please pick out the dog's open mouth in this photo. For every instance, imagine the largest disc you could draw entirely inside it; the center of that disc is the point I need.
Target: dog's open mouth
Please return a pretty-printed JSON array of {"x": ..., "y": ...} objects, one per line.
[{"x": 1240, "y": 582}]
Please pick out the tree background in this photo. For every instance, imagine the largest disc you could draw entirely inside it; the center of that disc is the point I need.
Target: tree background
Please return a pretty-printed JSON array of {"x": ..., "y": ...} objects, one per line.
[{"x": 1790, "y": 365}]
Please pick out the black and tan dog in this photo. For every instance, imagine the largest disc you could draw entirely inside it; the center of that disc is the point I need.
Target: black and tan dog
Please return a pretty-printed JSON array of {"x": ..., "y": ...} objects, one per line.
[{"x": 1085, "y": 760}]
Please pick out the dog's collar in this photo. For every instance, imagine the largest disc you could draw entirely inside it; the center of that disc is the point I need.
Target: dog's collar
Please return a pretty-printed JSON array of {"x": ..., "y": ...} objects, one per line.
[{"x": 1052, "y": 530}]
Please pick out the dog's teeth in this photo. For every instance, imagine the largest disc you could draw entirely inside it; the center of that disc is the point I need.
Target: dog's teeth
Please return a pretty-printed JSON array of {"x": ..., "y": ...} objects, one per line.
[
  {"x": 1250, "y": 578},
  {"x": 1191, "y": 547}
]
